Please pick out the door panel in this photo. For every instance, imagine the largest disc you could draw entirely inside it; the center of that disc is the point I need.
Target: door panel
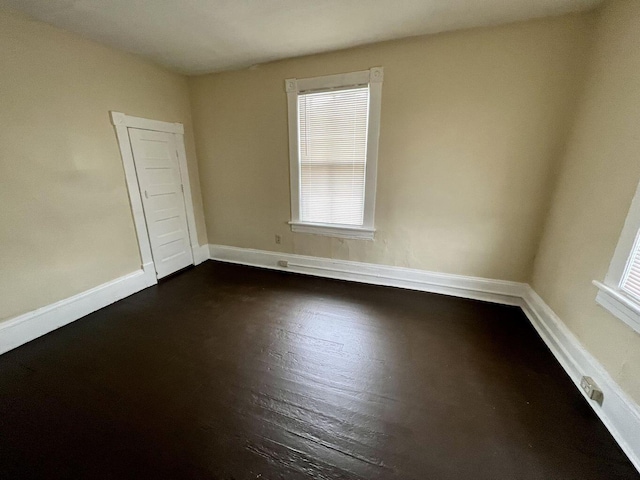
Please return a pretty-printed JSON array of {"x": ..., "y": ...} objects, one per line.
[{"x": 156, "y": 162}]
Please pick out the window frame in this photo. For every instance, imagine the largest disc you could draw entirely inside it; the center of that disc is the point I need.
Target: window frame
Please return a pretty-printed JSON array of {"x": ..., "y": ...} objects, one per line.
[
  {"x": 610, "y": 294},
  {"x": 295, "y": 86}
]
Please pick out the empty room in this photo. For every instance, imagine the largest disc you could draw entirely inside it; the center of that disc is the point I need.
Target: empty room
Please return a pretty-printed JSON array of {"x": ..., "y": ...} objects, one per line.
[{"x": 320, "y": 239}]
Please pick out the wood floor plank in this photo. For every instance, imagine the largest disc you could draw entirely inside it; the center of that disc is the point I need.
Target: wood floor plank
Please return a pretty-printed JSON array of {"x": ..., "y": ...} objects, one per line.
[{"x": 229, "y": 372}]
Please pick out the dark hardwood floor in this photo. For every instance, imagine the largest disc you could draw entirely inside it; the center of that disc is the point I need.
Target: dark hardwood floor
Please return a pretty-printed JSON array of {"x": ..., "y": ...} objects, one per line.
[{"x": 229, "y": 372}]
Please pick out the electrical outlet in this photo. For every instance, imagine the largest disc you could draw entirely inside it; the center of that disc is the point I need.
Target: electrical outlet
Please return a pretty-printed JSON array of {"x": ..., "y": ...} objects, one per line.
[
  {"x": 591, "y": 389},
  {"x": 278, "y": 239}
]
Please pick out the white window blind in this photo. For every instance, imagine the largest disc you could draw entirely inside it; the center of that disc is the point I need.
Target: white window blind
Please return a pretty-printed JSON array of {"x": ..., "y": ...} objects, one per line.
[
  {"x": 631, "y": 279},
  {"x": 333, "y": 153}
]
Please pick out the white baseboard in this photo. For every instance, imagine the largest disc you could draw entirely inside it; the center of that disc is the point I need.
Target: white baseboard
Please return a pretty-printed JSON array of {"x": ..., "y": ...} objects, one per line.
[
  {"x": 618, "y": 412},
  {"x": 200, "y": 254},
  {"x": 497, "y": 291},
  {"x": 29, "y": 326}
]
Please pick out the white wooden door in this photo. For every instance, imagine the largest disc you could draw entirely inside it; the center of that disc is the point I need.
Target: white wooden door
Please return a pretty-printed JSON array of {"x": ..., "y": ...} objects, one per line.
[{"x": 156, "y": 160}]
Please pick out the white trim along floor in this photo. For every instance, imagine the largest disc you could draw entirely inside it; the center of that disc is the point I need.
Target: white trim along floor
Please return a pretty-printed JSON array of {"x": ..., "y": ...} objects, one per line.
[{"x": 618, "y": 412}]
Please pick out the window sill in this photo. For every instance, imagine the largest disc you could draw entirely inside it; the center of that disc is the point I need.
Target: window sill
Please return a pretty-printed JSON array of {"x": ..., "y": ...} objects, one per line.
[
  {"x": 619, "y": 304},
  {"x": 331, "y": 230}
]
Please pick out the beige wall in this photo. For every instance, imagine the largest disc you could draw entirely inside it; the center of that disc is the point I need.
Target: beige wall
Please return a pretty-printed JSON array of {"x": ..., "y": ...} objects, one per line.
[
  {"x": 473, "y": 123},
  {"x": 65, "y": 221},
  {"x": 600, "y": 173}
]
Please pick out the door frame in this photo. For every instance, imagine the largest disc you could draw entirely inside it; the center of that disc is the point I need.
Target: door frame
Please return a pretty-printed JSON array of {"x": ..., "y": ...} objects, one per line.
[{"x": 122, "y": 123}]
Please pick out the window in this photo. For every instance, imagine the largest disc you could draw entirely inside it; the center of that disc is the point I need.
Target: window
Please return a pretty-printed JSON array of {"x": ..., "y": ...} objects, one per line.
[
  {"x": 630, "y": 283},
  {"x": 620, "y": 291},
  {"x": 333, "y": 146}
]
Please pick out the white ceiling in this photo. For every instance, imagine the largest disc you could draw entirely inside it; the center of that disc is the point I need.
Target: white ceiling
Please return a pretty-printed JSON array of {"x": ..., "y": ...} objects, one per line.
[{"x": 198, "y": 36}]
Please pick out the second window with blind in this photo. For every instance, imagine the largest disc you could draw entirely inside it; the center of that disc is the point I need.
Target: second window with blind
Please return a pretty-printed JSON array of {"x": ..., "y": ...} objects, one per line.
[
  {"x": 619, "y": 292},
  {"x": 334, "y": 124}
]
